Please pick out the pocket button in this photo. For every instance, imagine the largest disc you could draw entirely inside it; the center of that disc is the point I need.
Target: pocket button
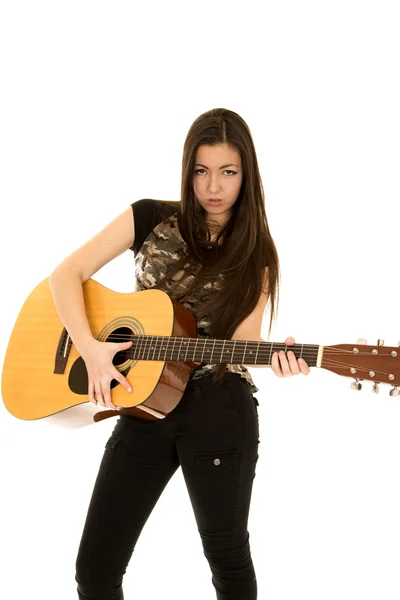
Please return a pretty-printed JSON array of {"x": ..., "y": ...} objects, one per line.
[{"x": 225, "y": 458}]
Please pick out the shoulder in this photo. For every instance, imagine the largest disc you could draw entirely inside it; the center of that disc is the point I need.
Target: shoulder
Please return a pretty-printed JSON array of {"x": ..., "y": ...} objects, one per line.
[
  {"x": 147, "y": 214},
  {"x": 152, "y": 208}
]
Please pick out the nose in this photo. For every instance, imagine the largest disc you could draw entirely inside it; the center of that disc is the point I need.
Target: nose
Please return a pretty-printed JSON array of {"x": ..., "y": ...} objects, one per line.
[{"x": 213, "y": 186}]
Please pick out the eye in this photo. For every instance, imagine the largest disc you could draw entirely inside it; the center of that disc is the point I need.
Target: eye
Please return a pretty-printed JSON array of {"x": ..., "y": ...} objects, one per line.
[{"x": 226, "y": 171}]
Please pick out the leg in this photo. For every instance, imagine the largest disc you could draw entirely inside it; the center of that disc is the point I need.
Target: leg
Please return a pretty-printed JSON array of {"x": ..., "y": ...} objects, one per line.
[
  {"x": 218, "y": 461},
  {"x": 139, "y": 459}
]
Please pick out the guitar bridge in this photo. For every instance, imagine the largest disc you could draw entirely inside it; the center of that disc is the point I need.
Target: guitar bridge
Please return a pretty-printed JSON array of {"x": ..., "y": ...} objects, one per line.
[{"x": 62, "y": 353}]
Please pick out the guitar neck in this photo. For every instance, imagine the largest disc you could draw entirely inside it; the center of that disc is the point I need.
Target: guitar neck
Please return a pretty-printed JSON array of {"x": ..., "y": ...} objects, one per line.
[{"x": 207, "y": 350}]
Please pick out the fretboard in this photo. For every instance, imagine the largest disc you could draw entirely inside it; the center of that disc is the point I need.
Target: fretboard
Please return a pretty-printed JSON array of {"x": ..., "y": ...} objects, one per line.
[{"x": 208, "y": 350}]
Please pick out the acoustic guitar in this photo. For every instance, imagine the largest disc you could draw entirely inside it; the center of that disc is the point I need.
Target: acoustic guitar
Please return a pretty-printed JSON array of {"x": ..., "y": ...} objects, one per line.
[{"x": 43, "y": 373}]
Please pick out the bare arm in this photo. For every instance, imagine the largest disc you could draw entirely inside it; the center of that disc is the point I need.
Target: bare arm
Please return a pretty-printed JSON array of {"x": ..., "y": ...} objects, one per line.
[
  {"x": 67, "y": 278},
  {"x": 250, "y": 328},
  {"x": 66, "y": 288}
]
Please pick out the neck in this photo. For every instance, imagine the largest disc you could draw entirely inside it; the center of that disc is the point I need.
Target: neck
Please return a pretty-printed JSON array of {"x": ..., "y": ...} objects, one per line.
[{"x": 208, "y": 350}]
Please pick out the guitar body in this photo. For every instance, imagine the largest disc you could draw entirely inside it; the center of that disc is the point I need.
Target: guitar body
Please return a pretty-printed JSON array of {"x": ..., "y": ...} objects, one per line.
[{"x": 43, "y": 373}]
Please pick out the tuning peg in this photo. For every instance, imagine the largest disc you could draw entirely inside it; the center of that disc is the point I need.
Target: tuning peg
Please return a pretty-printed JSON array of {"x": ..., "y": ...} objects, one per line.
[
  {"x": 394, "y": 391},
  {"x": 381, "y": 342},
  {"x": 356, "y": 385},
  {"x": 361, "y": 341},
  {"x": 375, "y": 387}
]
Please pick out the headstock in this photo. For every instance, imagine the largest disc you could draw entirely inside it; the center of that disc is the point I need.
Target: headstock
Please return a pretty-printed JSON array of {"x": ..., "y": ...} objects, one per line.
[{"x": 379, "y": 364}]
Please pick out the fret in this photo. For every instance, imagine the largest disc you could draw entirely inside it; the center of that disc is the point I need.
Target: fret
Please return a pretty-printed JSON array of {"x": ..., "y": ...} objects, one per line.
[
  {"x": 173, "y": 347},
  {"x": 187, "y": 350},
  {"x": 258, "y": 348},
  {"x": 143, "y": 341},
  {"x": 151, "y": 347},
  {"x": 195, "y": 348},
  {"x": 180, "y": 347},
  {"x": 161, "y": 348},
  {"x": 140, "y": 347},
  {"x": 155, "y": 349},
  {"x": 168, "y": 342},
  {"x": 222, "y": 351},
  {"x": 147, "y": 341},
  {"x": 202, "y": 353}
]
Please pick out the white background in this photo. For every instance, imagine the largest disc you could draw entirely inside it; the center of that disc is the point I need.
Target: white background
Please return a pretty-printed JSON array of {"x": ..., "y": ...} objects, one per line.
[{"x": 96, "y": 101}]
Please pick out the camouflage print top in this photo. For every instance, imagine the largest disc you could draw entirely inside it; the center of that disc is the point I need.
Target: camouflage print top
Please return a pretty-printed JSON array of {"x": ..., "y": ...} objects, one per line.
[{"x": 156, "y": 245}]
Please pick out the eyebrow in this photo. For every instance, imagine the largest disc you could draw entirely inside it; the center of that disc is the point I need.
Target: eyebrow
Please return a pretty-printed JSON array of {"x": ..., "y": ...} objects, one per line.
[{"x": 223, "y": 166}]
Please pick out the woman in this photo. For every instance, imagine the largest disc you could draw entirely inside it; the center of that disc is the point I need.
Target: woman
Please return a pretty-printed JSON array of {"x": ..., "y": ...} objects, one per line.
[{"x": 217, "y": 258}]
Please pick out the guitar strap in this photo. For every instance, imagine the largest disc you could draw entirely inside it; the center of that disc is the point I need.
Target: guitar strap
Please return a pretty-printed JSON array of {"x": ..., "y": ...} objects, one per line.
[{"x": 105, "y": 414}]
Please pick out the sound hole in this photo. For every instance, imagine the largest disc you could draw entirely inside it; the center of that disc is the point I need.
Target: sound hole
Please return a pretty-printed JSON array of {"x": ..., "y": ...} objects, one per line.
[
  {"x": 120, "y": 335},
  {"x": 78, "y": 377}
]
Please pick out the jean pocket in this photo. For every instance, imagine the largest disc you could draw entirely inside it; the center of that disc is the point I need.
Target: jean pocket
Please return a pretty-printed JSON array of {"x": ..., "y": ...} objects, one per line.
[
  {"x": 109, "y": 451},
  {"x": 112, "y": 442},
  {"x": 217, "y": 458}
]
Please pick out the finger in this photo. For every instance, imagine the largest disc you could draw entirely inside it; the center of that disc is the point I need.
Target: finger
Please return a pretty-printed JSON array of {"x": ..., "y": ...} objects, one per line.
[
  {"x": 122, "y": 380},
  {"x": 294, "y": 366},
  {"x": 91, "y": 392},
  {"x": 99, "y": 394},
  {"x": 289, "y": 341},
  {"x": 122, "y": 346},
  {"x": 107, "y": 395},
  {"x": 275, "y": 365},
  {"x": 305, "y": 369},
  {"x": 284, "y": 364}
]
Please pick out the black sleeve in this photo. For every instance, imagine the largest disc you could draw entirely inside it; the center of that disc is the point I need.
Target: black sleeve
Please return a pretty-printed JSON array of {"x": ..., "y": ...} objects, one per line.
[
  {"x": 145, "y": 218},
  {"x": 147, "y": 213}
]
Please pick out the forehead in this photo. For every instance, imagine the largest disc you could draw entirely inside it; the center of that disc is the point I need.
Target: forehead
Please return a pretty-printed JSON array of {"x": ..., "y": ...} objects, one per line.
[{"x": 215, "y": 156}]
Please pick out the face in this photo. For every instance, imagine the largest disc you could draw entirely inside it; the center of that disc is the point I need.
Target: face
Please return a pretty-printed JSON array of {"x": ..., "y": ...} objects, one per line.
[{"x": 217, "y": 174}]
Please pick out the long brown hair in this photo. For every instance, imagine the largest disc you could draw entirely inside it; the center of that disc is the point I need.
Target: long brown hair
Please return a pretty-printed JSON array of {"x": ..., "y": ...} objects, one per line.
[{"x": 247, "y": 246}]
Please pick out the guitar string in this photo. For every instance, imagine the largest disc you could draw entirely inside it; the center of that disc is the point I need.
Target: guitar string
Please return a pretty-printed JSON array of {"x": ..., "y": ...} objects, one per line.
[
  {"x": 326, "y": 349},
  {"x": 336, "y": 365},
  {"x": 333, "y": 364},
  {"x": 359, "y": 368},
  {"x": 311, "y": 354},
  {"x": 138, "y": 337}
]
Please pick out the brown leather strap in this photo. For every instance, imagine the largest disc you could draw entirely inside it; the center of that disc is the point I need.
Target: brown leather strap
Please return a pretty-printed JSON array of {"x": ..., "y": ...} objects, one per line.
[{"x": 105, "y": 414}]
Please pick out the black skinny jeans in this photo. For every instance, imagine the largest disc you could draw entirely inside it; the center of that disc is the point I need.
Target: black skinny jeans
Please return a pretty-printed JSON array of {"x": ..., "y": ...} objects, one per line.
[{"x": 213, "y": 435}]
